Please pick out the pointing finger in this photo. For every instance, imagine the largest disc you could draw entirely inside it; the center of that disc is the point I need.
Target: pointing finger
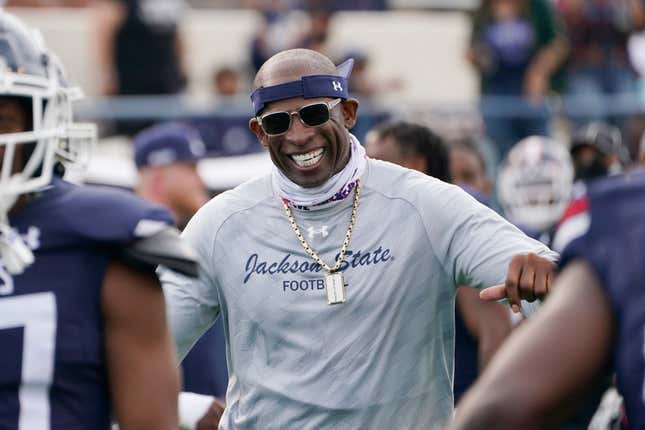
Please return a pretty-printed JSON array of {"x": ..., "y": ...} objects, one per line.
[{"x": 496, "y": 292}]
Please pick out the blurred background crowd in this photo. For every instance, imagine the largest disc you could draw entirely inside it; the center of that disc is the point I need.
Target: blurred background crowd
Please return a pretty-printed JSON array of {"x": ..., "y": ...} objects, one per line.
[{"x": 490, "y": 72}]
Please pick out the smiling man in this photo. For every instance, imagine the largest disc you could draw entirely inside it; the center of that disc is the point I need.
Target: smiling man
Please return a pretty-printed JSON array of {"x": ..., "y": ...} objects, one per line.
[{"x": 336, "y": 274}]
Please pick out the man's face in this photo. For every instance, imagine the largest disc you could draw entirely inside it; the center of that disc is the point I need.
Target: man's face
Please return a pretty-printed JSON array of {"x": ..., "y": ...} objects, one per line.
[
  {"x": 13, "y": 119},
  {"x": 185, "y": 189},
  {"x": 327, "y": 144},
  {"x": 466, "y": 169},
  {"x": 387, "y": 149}
]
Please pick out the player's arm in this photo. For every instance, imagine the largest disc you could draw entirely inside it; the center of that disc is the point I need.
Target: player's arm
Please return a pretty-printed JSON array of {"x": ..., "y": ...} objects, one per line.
[
  {"x": 547, "y": 363},
  {"x": 488, "y": 322},
  {"x": 142, "y": 370}
]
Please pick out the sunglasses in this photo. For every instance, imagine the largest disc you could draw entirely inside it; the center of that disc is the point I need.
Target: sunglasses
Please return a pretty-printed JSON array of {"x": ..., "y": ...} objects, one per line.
[{"x": 313, "y": 115}]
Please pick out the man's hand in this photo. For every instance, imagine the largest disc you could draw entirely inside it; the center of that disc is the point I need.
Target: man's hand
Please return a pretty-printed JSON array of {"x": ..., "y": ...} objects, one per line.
[
  {"x": 210, "y": 421},
  {"x": 529, "y": 277}
]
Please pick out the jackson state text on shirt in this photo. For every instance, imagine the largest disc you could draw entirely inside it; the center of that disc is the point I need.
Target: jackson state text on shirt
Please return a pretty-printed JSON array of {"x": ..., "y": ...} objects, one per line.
[{"x": 254, "y": 265}]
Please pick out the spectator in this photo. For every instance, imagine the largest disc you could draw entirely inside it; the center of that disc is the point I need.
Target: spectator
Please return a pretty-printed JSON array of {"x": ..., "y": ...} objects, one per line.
[
  {"x": 318, "y": 33},
  {"x": 362, "y": 83},
  {"x": 140, "y": 49},
  {"x": 282, "y": 28},
  {"x": 226, "y": 81},
  {"x": 599, "y": 63},
  {"x": 337, "y": 5},
  {"x": 47, "y": 3},
  {"x": 166, "y": 157},
  {"x": 516, "y": 46},
  {"x": 468, "y": 169}
]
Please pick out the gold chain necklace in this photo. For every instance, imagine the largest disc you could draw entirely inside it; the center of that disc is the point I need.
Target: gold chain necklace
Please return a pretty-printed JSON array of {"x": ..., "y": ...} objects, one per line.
[{"x": 334, "y": 283}]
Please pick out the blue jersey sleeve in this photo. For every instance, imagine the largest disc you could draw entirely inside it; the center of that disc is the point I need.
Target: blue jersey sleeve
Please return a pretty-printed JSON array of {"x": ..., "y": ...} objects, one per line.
[
  {"x": 113, "y": 216},
  {"x": 612, "y": 244}
]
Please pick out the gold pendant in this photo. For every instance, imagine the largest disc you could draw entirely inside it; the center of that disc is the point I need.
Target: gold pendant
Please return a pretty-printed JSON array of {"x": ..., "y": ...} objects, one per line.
[{"x": 335, "y": 287}]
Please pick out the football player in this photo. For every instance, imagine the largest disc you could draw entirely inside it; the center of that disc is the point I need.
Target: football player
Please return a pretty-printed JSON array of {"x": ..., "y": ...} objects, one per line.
[
  {"x": 82, "y": 319},
  {"x": 534, "y": 185},
  {"x": 570, "y": 344},
  {"x": 597, "y": 150}
]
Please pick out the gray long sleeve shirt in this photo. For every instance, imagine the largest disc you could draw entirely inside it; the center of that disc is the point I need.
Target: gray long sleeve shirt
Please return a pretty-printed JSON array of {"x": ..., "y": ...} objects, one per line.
[{"x": 381, "y": 360}]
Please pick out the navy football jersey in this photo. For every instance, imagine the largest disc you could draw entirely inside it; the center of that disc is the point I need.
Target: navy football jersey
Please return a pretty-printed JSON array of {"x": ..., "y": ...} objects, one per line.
[
  {"x": 466, "y": 346},
  {"x": 466, "y": 358},
  {"x": 204, "y": 368},
  {"x": 52, "y": 366},
  {"x": 606, "y": 228}
]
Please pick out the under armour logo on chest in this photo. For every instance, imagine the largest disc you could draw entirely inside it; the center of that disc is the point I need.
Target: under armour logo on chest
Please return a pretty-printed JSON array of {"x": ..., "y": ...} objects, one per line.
[
  {"x": 32, "y": 238},
  {"x": 337, "y": 86},
  {"x": 312, "y": 232},
  {"x": 6, "y": 281}
]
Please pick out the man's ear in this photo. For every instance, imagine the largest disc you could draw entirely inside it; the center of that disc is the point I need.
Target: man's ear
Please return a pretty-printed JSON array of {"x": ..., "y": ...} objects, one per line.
[
  {"x": 349, "y": 108},
  {"x": 256, "y": 128}
]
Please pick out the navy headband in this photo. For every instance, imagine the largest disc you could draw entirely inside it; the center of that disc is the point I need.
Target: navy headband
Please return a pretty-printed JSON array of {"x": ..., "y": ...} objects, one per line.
[{"x": 308, "y": 87}]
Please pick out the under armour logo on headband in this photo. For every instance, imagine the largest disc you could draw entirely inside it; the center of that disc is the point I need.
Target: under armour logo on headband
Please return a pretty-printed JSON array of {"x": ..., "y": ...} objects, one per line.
[{"x": 309, "y": 86}]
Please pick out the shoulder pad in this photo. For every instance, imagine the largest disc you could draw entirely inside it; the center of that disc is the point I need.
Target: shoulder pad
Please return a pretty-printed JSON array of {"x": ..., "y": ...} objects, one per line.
[
  {"x": 165, "y": 248},
  {"x": 117, "y": 217}
]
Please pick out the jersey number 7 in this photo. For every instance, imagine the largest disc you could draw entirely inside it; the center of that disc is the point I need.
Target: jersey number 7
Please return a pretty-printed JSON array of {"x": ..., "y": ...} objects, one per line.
[{"x": 36, "y": 313}]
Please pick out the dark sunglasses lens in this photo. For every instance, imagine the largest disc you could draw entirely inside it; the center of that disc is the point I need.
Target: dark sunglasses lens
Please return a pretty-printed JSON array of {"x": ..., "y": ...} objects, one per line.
[
  {"x": 276, "y": 123},
  {"x": 314, "y": 115}
]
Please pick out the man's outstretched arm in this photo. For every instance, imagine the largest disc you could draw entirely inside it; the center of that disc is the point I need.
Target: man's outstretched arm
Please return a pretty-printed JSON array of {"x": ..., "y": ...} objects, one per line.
[{"x": 546, "y": 363}]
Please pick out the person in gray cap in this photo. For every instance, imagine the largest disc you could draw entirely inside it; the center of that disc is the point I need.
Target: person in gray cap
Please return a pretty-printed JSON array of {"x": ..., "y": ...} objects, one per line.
[
  {"x": 166, "y": 157},
  {"x": 336, "y": 274}
]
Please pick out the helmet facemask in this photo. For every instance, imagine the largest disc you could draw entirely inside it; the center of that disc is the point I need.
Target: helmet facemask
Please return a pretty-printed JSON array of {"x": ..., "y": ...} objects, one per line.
[
  {"x": 31, "y": 74},
  {"x": 534, "y": 184},
  {"x": 53, "y": 136}
]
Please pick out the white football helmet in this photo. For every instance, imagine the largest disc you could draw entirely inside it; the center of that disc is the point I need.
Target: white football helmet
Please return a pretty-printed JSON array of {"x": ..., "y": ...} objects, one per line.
[
  {"x": 29, "y": 70},
  {"x": 29, "y": 73},
  {"x": 534, "y": 183}
]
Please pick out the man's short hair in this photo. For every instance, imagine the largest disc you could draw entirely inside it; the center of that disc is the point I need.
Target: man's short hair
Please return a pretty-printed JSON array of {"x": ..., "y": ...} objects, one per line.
[{"x": 419, "y": 140}]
